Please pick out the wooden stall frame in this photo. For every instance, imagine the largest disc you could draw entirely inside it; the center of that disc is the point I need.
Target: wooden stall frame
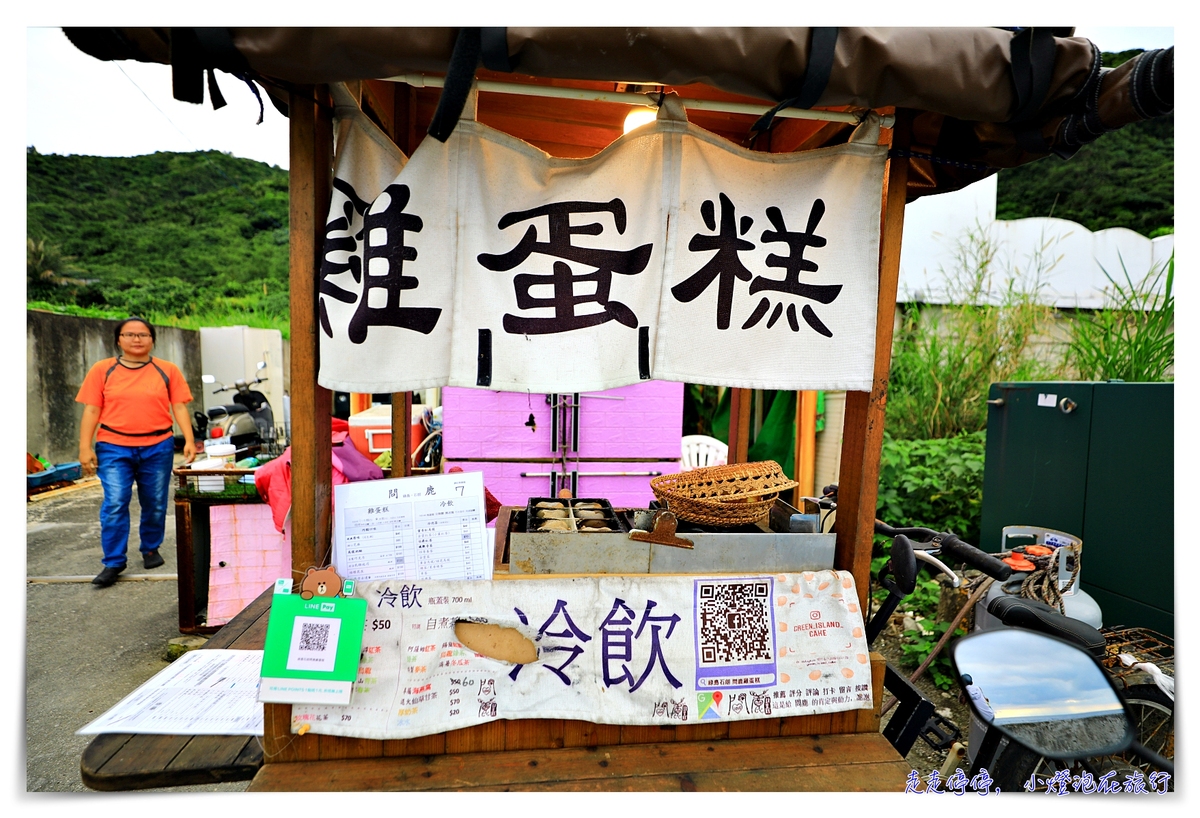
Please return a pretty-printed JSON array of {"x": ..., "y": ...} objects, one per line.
[{"x": 310, "y": 176}]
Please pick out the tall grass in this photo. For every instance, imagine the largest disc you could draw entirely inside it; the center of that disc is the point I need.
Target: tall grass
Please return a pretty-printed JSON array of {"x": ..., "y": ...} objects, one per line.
[
  {"x": 945, "y": 358},
  {"x": 1133, "y": 337},
  {"x": 220, "y": 315}
]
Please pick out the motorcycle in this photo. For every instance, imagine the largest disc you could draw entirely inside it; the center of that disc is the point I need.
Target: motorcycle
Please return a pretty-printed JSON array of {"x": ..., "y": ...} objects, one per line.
[
  {"x": 1052, "y": 700},
  {"x": 1042, "y": 754},
  {"x": 1137, "y": 662},
  {"x": 247, "y": 422}
]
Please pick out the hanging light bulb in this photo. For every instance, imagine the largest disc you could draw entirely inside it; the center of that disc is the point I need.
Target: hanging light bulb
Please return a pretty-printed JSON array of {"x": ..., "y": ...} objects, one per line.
[{"x": 638, "y": 117}]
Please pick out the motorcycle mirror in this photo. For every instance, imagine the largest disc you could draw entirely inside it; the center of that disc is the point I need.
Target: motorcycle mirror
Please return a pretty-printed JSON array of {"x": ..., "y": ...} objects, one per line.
[
  {"x": 208, "y": 379},
  {"x": 262, "y": 365},
  {"x": 1042, "y": 692}
]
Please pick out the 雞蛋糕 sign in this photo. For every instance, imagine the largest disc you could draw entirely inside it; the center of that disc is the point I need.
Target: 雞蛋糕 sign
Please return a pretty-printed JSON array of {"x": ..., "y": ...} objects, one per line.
[{"x": 672, "y": 254}]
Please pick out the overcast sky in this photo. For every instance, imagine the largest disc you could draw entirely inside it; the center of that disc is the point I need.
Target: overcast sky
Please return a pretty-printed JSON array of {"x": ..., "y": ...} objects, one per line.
[{"x": 77, "y": 104}]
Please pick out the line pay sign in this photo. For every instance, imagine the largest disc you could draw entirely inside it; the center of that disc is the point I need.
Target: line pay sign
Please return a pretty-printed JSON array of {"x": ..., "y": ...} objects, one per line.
[{"x": 312, "y": 649}]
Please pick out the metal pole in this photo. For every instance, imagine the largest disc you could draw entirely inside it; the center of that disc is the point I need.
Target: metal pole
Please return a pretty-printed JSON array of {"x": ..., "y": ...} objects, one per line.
[{"x": 627, "y": 98}]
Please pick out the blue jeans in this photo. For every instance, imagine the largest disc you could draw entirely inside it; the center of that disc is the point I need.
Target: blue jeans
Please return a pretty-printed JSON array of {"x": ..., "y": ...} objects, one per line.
[{"x": 117, "y": 468}]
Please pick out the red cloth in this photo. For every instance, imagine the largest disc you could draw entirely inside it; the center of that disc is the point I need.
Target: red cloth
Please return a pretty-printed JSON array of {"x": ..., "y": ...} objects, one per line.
[
  {"x": 491, "y": 504},
  {"x": 273, "y": 480},
  {"x": 274, "y": 483}
]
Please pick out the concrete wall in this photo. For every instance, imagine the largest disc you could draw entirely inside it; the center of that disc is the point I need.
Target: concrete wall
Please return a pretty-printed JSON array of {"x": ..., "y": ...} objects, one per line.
[{"x": 59, "y": 351}]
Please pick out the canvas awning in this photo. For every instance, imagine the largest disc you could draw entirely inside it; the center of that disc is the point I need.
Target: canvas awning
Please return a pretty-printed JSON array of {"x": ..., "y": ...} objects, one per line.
[{"x": 983, "y": 98}]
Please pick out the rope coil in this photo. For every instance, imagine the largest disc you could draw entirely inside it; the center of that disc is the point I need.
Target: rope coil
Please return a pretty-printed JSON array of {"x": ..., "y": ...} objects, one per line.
[{"x": 1042, "y": 584}]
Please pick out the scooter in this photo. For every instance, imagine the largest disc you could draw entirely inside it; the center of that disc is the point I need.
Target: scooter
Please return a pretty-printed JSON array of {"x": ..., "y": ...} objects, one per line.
[
  {"x": 1042, "y": 759},
  {"x": 248, "y": 422},
  {"x": 1048, "y": 698},
  {"x": 1137, "y": 662}
]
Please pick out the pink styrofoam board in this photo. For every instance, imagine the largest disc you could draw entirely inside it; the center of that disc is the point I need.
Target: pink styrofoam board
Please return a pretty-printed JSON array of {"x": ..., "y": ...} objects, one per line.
[
  {"x": 252, "y": 557},
  {"x": 455, "y": 417},
  {"x": 647, "y": 424}
]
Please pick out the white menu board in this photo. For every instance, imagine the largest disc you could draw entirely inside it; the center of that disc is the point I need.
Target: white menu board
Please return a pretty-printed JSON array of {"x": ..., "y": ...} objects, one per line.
[{"x": 428, "y": 527}]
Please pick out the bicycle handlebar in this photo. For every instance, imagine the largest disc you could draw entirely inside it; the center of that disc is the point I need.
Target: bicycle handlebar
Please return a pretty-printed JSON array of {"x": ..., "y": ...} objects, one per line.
[
  {"x": 950, "y": 546},
  {"x": 985, "y": 562}
]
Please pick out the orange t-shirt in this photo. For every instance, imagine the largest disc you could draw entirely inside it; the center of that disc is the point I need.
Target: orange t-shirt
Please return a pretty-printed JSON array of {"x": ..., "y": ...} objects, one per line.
[{"x": 134, "y": 402}]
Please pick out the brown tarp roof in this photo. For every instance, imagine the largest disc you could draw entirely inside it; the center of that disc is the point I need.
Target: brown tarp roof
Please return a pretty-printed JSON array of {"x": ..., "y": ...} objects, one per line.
[{"x": 982, "y": 98}]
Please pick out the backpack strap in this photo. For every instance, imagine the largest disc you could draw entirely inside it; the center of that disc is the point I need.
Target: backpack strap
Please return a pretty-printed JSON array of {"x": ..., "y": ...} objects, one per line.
[
  {"x": 165, "y": 377},
  {"x": 166, "y": 382}
]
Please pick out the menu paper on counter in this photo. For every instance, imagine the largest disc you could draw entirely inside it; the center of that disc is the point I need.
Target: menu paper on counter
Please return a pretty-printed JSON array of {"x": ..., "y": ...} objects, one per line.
[
  {"x": 427, "y": 527},
  {"x": 202, "y": 693}
]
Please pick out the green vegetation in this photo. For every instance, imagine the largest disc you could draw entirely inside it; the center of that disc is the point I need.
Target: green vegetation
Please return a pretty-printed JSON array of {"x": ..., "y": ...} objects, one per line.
[
  {"x": 945, "y": 358},
  {"x": 1133, "y": 337},
  {"x": 182, "y": 238},
  {"x": 1125, "y": 178},
  {"x": 935, "y": 483}
]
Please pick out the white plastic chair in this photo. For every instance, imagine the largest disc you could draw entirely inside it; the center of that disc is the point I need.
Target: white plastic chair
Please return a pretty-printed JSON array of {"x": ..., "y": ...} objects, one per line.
[{"x": 702, "y": 450}]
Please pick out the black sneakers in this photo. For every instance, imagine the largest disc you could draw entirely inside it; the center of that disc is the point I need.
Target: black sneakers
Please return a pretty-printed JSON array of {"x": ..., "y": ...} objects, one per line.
[
  {"x": 152, "y": 559},
  {"x": 108, "y": 576}
]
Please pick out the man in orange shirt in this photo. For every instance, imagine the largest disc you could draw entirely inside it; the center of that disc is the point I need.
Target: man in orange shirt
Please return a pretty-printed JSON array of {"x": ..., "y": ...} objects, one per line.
[{"x": 133, "y": 399}]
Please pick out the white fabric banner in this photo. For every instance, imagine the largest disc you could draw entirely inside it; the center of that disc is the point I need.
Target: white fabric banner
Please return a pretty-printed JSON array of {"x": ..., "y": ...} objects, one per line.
[
  {"x": 610, "y": 649},
  {"x": 672, "y": 254}
]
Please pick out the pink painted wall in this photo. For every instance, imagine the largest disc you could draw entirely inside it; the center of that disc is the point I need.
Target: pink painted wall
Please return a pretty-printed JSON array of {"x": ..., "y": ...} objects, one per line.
[
  {"x": 254, "y": 553},
  {"x": 647, "y": 422},
  {"x": 504, "y": 480}
]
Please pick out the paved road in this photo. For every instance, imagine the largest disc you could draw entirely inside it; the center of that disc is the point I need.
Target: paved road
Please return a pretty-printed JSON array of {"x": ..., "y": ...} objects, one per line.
[{"x": 86, "y": 648}]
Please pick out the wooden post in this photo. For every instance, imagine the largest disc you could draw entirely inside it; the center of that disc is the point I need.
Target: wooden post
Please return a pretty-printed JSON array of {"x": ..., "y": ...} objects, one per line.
[
  {"x": 739, "y": 425},
  {"x": 309, "y": 180},
  {"x": 806, "y": 444},
  {"x": 403, "y": 133},
  {"x": 401, "y": 439},
  {"x": 862, "y": 439}
]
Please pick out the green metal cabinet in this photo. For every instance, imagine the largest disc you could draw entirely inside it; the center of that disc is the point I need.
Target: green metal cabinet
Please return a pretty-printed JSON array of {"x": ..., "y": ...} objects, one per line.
[{"x": 1095, "y": 460}]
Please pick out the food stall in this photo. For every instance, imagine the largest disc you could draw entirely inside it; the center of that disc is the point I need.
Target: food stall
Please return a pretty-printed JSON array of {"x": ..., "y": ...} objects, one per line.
[{"x": 909, "y": 112}]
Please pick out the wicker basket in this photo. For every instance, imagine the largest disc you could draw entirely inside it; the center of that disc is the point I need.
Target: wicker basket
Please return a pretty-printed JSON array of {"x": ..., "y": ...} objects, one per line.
[{"x": 734, "y": 494}]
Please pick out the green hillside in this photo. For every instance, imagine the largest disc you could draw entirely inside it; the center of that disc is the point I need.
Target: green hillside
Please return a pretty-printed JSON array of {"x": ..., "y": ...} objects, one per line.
[
  {"x": 1125, "y": 178},
  {"x": 191, "y": 238},
  {"x": 163, "y": 234}
]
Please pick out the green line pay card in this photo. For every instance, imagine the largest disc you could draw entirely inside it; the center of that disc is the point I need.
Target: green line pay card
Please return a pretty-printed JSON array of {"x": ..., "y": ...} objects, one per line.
[{"x": 312, "y": 649}]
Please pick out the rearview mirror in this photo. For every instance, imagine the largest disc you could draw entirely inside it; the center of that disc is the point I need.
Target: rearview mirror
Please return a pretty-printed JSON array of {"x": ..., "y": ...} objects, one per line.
[
  {"x": 262, "y": 365},
  {"x": 208, "y": 379},
  {"x": 1044, "y": 693}
]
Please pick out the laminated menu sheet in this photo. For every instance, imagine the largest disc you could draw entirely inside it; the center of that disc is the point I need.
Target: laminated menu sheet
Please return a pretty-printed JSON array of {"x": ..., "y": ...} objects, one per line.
[
  {"x": 429, "y": 527},
  {"x": 609, "y": 649},
  {"x": 202, "y": 693}
]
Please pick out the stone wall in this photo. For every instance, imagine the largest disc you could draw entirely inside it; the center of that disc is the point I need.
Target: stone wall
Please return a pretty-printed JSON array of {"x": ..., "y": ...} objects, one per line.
[{"x": 59, "y": 351}]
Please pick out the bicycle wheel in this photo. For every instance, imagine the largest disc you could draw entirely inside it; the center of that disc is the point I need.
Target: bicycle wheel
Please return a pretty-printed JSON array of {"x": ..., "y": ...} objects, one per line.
[
  {"x": 1019, "y": 769},
  {"x": 1153, "y": 726}
]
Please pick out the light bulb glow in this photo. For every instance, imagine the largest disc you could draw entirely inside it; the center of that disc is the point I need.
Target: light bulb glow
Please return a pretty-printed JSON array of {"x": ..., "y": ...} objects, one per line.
[{"x": 638, "y": 117}]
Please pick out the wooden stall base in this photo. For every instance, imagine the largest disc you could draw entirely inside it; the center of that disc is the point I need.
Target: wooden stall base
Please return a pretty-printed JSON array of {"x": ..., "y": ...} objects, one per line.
[
  {"x": 839, "y": 763},
  {"x": 124, "y": 761},
  {"x": 282, "y": 746}
]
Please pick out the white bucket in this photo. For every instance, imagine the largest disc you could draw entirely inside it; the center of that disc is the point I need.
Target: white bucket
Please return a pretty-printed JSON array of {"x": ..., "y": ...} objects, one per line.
[{"x": 220, "y": 455}]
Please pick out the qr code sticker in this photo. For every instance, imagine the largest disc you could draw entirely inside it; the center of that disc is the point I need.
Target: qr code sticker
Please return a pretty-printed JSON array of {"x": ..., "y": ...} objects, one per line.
[
  {"x": 314, "y": 636},
  {"x": 734, "y": 623}
]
